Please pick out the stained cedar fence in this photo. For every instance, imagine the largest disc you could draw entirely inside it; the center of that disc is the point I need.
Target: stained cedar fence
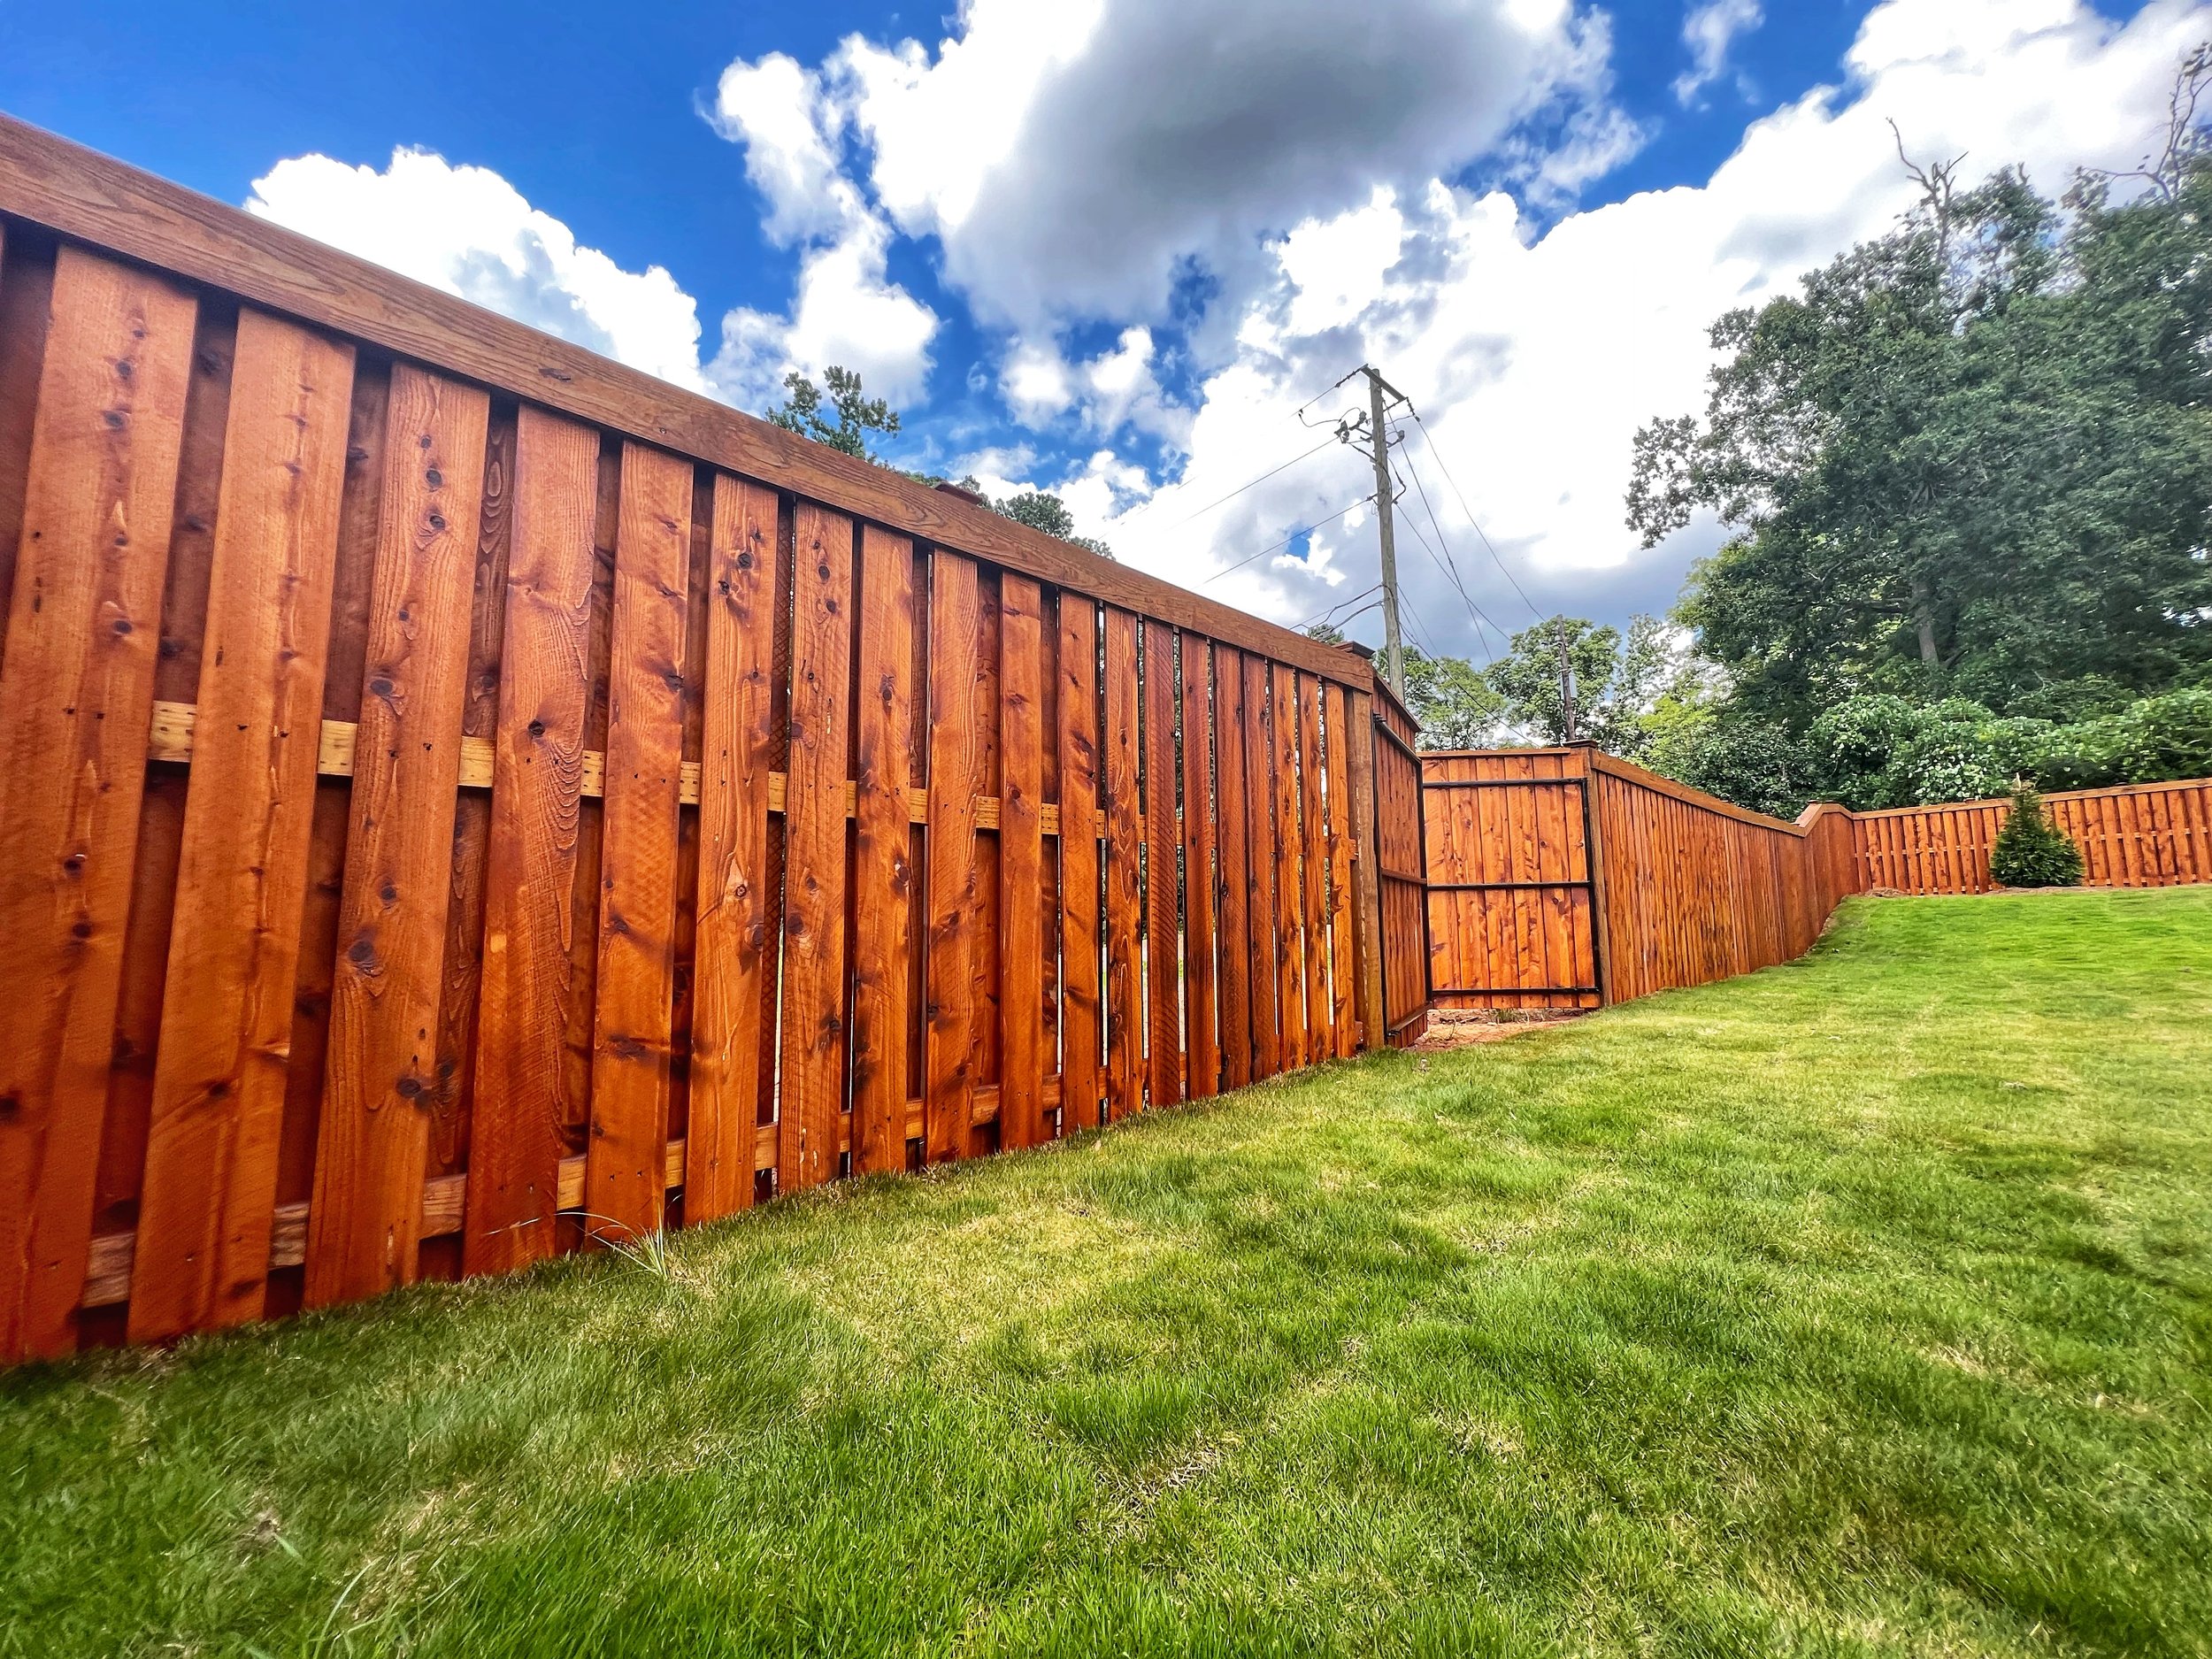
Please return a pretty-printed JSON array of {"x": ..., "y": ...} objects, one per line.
[
  {"x": 2144, "y": 835},
  {"x": 459, "y": 795},
  {"x": 1565, "y": 878}
]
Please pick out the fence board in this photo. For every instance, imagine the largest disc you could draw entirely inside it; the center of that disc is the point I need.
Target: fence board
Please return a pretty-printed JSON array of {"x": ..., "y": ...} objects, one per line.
[
  {"x": 1124, "y": 990},
  {"x": 1080, "y": 873},
  {"x": 1202, "y": 1042},
  {"x": 209, "y": 1197},
  {"x": 883, "y": 873},
  {"x": 1232, "y": 820},
  {"x": 1342, "y": 1014},
  {"x": 1289, "y": 959},
  {"x": 815, "y": 828},
  {"x": 365, "y": 1224},
  {"x": 1262, "y": 864},
  {"x": 1022, "y": 1062},
  {"x": 520, "y": 1110},
  {"x": 957, "y": 760},
  {"x": 1163, "y": 848},
  {"x": 736, "y": 937},
  {"x": 1320, "y": 1041},
  {"x": 77, "y": 682}
]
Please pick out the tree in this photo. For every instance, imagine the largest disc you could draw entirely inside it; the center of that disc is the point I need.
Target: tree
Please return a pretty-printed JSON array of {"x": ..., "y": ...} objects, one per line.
[
  {"x": 851, "y": 414},
  {"x": 2029, "y": 850},
  {"x": 1449, "y": 700},
  {"x": 1041, "y": 509},
  {"x": 1971, "y": 458},
  {"x": 1616, "y": 680}
]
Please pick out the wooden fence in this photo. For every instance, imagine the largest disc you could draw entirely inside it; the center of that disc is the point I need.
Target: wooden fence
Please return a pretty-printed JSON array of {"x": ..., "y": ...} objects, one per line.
[
  {"x": 459, "y": 797},
  {"x": 1565, "y": 878},
  {"x": 2144, "y": 835}
]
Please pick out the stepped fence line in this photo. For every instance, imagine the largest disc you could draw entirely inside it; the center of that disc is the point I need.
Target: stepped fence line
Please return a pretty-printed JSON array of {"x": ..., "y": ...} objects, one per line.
[
  {"x": 1564, "y": 879},
  {"x": 463, "y": 797}
]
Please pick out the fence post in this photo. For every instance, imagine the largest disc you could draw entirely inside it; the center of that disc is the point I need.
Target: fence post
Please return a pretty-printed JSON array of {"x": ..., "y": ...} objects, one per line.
[
  {"x": 1366, "y": 883},
  {"x": 1594, "y": 851}
]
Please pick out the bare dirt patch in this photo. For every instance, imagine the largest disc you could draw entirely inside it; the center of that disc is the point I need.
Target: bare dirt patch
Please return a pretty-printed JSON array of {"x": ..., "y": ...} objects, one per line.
[{"x": 1462, "y": 1028}]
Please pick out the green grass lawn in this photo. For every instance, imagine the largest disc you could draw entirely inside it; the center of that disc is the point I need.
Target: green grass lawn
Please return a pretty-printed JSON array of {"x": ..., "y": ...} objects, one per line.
[{"x": 1860, "y": 1306}]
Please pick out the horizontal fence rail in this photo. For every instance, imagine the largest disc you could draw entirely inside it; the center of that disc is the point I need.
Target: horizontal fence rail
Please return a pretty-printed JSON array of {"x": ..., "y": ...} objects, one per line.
[{"x": 463, "y": 799}]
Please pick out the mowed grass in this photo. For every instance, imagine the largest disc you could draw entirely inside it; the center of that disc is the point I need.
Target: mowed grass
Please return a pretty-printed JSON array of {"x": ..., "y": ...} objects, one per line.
[{"x": 1860, "y": 1306}]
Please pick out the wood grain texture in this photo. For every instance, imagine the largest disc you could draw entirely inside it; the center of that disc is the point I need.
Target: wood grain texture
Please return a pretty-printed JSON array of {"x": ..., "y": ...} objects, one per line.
[
  {"x": 56, "y": 183},
  {"x": 1260, "y": 863},
  {"x": 374, "y": 1129},
  {"x": 1233, "y": 884},
  {"x": 1124, "y": 988},
  {"x": 814, "y": 1047},
  {"x": 1201, "y": 1032},
  {"x": 1290, "y": 968},
  {"x": 521, "y": 1108},
  {"x": 26, "y": 294},
  {"x": 1313, "y": 859},
  {"x": 636, "y": 1005},
  {"x": 77, "y": 685},
  {"x": 883, "y": 868},
  {"x": 957, "y": 759},
  {"x": 1162, "y": 855},
  {"x": 209, "y": 1198},
  {"x": 1366, "y": 885},
  {"x": 1081, "y": 1026},
  {"x": 1023, "y": 1063},
  {"x": 1342, "y": 1014}
]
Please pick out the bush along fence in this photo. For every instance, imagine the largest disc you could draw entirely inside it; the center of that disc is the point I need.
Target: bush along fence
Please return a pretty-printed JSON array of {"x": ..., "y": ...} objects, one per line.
[
  {"x": 462, "y": 796},
  {"x": 1565, "y": 878}
]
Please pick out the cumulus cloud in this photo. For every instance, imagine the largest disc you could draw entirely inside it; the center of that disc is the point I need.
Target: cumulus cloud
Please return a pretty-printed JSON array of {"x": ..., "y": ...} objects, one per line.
[
  {"x": 1073, "y": 159},
  {"x": 1709, "y": 30},
  {"x": 1534, "y": 360},
  {"x": 468, "y": 231}
]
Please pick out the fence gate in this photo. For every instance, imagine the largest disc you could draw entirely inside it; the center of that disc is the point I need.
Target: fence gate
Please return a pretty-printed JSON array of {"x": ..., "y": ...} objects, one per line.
[
  {"x": 1401, "y": 869},
  {"x": 1511, "y": 893}
]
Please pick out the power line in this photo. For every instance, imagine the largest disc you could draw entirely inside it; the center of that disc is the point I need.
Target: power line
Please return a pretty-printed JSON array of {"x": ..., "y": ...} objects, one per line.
[
  {"x": 1233, "y": 494},
  {"x": 1435, "y": 455},
  {"x": 1286, "y": 542},
  {"x": 1324, "y": 615}
]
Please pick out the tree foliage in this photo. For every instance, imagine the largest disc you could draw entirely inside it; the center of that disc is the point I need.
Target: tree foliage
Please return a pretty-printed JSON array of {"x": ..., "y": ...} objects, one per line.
[
  {"x": 2029, "y": 850},
  {"x": 1966, "y": 470},
  {"x": 843, "y": 421},
  {"x": 1041, "y": 509},
  {"x": 1972, "y": 458},
  {"x": 1618, "y": 679}
]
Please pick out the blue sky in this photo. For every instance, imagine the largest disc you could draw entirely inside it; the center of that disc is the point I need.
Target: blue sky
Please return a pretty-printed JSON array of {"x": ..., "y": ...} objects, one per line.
[{"x": 1111, "y": 246}]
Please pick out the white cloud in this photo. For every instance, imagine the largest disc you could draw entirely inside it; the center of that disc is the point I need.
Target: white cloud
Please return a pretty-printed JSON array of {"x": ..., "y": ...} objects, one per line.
[
  {"x": 468, "y": 231},
  {"x": 847, "y": 312},
  {"x": 1073, "y": 158},
  {"x": 1709, "y": 30},
  {"x": 1534, "y": 362},
  {"x": 776, "y": 110}
]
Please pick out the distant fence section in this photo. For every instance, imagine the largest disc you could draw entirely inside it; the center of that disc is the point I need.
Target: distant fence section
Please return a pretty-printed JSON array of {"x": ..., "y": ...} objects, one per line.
[
  {"x": 461, "y": 796},
  {"x": 2144, "y": 835},
  {"x": 1565, "y": 878}
]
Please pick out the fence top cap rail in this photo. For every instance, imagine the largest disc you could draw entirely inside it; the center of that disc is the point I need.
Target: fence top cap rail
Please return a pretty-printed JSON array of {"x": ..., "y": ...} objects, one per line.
[{"x": 91, "y": 198}]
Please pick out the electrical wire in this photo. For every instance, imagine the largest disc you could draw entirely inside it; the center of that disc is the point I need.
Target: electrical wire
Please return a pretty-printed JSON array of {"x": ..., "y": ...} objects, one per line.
[
  {"x": 1285, "y": 543},
  {"x": 1435, "y": 455},
  {"x": 1233, "y": 495},
  {"x": 1324, "y": 615}
]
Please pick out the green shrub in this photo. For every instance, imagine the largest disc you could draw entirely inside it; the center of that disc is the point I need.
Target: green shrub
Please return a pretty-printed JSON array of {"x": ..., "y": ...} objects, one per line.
[{"x": 2031, "y": 851}]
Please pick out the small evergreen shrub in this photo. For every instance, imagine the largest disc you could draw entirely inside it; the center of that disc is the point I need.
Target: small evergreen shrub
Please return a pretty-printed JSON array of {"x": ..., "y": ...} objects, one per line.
[{"x": 2031, "y": 851}]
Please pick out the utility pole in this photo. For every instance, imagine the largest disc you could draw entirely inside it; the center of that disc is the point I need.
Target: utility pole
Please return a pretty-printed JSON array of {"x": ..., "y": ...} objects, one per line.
[
  {"x": 1394, "y": 653},
  {"x": 1566, "y": 676}
]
